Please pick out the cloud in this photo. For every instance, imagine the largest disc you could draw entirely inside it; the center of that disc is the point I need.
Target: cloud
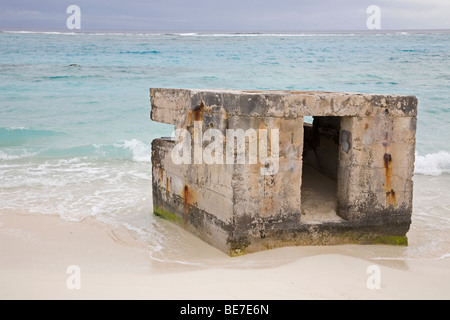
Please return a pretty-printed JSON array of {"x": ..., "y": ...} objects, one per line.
[
  {"x": 227, "y": 15},
  {"x": 415, "y": 14}
]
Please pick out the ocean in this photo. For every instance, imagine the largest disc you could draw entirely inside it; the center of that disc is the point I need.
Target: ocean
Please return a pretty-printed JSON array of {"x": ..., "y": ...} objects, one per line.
[{"x": 75, "y": 128}]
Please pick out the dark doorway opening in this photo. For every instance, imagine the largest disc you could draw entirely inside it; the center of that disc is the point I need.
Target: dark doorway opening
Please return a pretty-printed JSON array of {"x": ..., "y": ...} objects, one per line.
[{"x": 320, "y": 170}]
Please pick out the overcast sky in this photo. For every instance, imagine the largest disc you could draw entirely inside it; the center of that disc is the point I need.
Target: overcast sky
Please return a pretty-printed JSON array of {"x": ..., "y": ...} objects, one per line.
[{"x": 225, "y": 15}]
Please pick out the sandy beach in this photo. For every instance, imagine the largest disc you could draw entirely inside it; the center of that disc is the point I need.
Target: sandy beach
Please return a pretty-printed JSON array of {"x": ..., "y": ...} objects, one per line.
[{"x": 36, "y": 251}]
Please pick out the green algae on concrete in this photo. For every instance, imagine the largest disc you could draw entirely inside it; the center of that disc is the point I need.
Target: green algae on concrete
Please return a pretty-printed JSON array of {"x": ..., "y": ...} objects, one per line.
[
  {"x": 393, "y": 240},
  {"x": 167, "y": 215}
]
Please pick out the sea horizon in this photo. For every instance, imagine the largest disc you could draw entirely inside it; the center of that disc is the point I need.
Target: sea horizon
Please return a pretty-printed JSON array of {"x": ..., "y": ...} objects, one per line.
[{"x": 63, "y": 30}]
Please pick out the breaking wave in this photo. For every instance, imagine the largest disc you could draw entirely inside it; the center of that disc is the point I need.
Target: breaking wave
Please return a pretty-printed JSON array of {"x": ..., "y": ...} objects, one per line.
[{"x": 433, "y": 164}]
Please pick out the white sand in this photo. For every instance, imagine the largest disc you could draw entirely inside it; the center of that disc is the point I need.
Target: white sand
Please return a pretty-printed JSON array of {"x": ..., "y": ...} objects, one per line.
[
  {"x": 319, "y": 197},
  {"x": 36, "y": 250}
]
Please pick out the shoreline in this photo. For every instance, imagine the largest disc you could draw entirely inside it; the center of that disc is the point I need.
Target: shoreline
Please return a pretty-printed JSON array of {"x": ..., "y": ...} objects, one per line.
[
  {"x": 37, "y": 249},
  {"x": 76, "y": 145}
]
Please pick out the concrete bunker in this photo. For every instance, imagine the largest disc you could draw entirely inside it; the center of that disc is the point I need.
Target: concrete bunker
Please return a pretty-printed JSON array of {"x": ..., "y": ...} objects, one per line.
[{"x": 358, "y": 155}]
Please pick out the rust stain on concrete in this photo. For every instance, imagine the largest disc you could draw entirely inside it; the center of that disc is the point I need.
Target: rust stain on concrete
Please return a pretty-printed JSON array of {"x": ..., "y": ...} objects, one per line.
[
  {"x": 390, "y": 193},
  {"x": 167, "y": 185},
  {"x": 188, "y": 199},
  {"x": 198, "y": 112}
]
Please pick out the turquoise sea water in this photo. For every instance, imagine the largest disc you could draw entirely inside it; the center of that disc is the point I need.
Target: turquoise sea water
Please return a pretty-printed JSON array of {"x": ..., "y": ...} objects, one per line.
[{"x": 75, "y": 140}]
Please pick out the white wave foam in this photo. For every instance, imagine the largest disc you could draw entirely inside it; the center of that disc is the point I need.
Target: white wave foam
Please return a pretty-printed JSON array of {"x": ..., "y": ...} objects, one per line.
[
  {"x": 264, "y": 34},
  {"x": 187, "y": 34},
  {"x": 140, "y": 151},
  {"x": 16, "y": 154},
  {"x": 75, "y": 188},
  {"x": 17, "y": 128},
  {"x": 40, "y": 32},
  {"x": 82, "y": 33},
  {"x": 443, "y": 257},
  {"x": 433, "y": 164},
  {"x": 195, "y": 34}
]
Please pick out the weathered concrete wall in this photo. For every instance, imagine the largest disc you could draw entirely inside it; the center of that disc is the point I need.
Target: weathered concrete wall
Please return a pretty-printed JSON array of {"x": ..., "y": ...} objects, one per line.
[
  {"x": 172, "y": 106},
  {"x": 237, "y": 209},
  {"x": 375, "y": 174}
]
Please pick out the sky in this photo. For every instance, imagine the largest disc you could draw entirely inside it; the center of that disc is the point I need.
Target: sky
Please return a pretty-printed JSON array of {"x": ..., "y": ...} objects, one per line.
[{"x": 225, "y": 15}]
